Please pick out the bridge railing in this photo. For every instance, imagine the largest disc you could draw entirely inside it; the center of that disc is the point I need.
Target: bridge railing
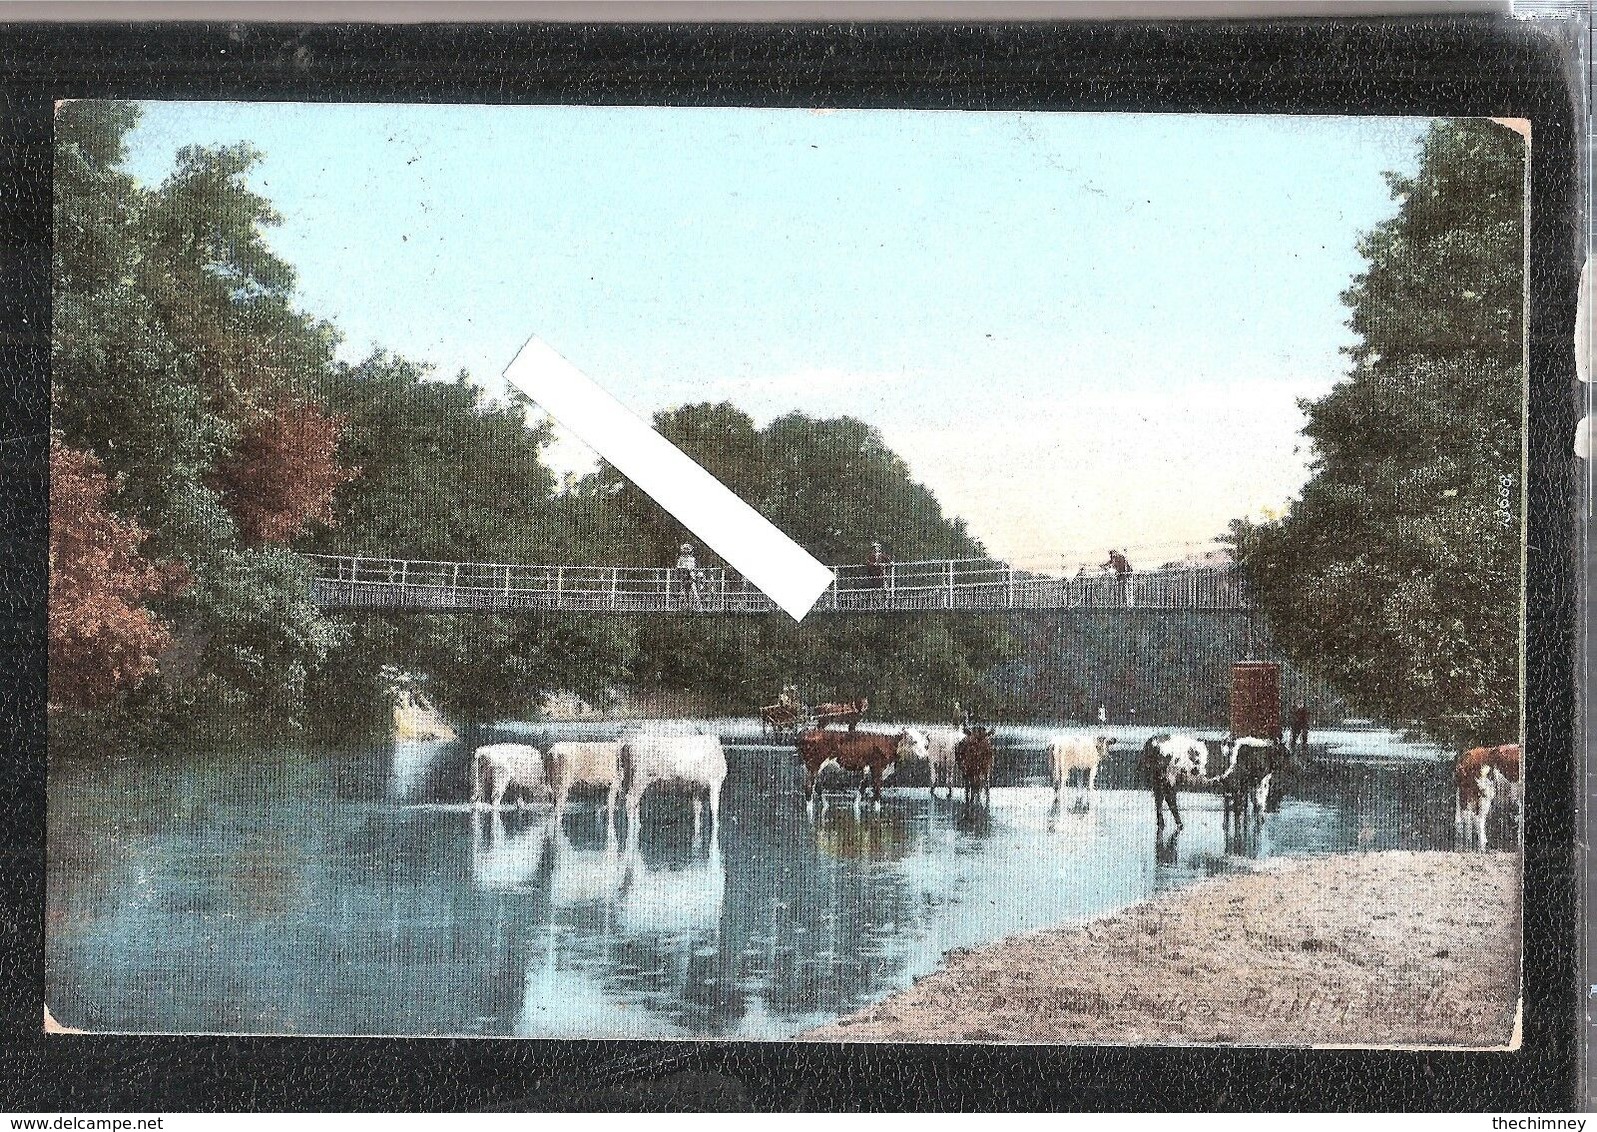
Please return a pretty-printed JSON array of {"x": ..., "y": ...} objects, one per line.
[
  {"x": 972, "y": 584},
  {"x": 990, "y": 583},
  {"x": 464, "y": 585}
]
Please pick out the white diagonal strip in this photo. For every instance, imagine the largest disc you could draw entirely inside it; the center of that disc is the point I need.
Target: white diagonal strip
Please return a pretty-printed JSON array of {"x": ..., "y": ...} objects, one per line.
[{"x": 753, "y": 546}]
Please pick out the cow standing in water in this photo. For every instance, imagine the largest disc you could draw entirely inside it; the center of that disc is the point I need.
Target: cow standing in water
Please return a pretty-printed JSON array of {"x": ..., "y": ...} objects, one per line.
[
  {"x": 1176, "y": 762},
  {"x": 507, "y": 764},
  {"x": 1255, "y": 764},
  {"x": 1242, "y": 769},
  {"x": 872, "y": 756},
  {"x": 694, "y": 763},
  {"x": 1067, "y": 753},
  {"x": 585, "y": 764},
  {"x": 974, "y": 754},
  {"x": 1476, "y": 775},
  {"x": 940, "y": 744}
]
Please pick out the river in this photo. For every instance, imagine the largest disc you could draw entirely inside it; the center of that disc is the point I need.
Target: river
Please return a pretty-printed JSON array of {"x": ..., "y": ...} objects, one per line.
[{"x": 350, "y": 890}]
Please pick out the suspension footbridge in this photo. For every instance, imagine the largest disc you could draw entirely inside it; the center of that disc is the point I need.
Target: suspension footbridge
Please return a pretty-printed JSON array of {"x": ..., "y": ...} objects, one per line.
[{"x": 977, "y": 585}]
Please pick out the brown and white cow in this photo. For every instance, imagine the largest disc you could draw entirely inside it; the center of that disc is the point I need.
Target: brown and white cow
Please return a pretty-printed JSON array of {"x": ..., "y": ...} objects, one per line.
[
  {"x": 872, "y": 756},
  {"x": 974, "y": 754},
  {"x": 1476, "y": 777}
]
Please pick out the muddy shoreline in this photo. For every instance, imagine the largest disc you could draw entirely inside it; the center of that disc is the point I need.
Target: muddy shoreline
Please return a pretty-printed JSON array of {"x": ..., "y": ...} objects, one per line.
[{"x": 1363, "y": 949}]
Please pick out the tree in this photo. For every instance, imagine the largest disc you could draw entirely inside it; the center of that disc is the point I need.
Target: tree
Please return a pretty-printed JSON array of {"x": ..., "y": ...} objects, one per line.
[
  {"x": 179, "y": 362},
  {"x": 835, "y": 487},
  {"x": 1396, "y": 574},
  {"x": 284, "y": 471},
  {"x": 102, "y": 638},
  {"x": 450, "y": 475}
]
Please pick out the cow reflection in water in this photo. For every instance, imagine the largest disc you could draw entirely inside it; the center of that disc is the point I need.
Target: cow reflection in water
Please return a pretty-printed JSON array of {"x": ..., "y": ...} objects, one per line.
[
  {"x": 1244, "y": 840},
  {"x": 1166, "y": 848},
  {"x": 883, "y": 835},
  {"x": 600, "y": 910},
  {"x": 542, "y": 858},
  {"x": 1239, "y": 840},
  {"x": 583, "y": 876},
  {"x": 504, "y": 861},
  {"x": 682, "y": 900},
  {"x": 1073, "y": 822},
  {"x": 974, "y": 820}
]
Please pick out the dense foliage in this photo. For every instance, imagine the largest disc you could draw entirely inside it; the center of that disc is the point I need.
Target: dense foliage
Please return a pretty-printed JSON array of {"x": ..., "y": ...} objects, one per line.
[
  {"x": 174, "y": 346},
  {"x": 1396, "y": 575},
  {"x": 238, "y": 442},
  {"x": 835, "y": 487},
  {"x": 447, "y": 475},
  {"x": 102, "y": 638},
  {"x": 283, "y": 472}
]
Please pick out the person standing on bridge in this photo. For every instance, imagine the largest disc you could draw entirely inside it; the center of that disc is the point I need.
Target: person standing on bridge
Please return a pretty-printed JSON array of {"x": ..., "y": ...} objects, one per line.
[
  {"x": 1121, "y": 565},
  {"x": 879, "y": 565},
  {"x": 687, "y": 575}
]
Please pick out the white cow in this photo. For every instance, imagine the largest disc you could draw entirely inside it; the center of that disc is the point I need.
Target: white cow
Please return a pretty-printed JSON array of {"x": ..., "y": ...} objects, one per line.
[
  {"x": 1068, "y": 753},
  {"x": 696, "y": 762},
  {"x": 585, "y": 764},
  {"x": 940, "y": 744},
  {"x": 507, "y": 763}
]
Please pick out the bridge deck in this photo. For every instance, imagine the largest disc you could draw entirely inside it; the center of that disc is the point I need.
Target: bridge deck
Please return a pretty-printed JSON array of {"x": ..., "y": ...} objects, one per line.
[{"x": 957, "y": 584}]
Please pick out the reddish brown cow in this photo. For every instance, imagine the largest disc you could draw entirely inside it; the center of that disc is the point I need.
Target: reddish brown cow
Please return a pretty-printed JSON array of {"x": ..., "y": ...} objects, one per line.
[
  {"x": 846, "y": 712},
  {"x": 974, "y": 755},
  {"x": 873, "y": 756},
  {"x": 1475, "y": 775}
]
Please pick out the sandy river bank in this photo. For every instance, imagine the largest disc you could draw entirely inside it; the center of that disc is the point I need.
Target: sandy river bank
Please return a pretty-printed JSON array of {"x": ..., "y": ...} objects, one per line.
[{"x": 1397, "y": 948}]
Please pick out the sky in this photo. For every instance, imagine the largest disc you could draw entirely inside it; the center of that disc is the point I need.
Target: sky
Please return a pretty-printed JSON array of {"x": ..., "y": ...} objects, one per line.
[{"x": 1080, "y": 331}]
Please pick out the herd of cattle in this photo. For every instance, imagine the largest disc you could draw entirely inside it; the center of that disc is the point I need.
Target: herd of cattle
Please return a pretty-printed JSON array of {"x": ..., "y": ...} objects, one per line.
[
  {"x": 1248, "y": 773},
  {"x": 1242, "y": 771},
  {"x": 640, "y": 759}
]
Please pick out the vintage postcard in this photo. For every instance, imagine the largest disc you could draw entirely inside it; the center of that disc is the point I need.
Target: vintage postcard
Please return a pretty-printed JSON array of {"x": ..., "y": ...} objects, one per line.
[{"x": 786, "y": 574}]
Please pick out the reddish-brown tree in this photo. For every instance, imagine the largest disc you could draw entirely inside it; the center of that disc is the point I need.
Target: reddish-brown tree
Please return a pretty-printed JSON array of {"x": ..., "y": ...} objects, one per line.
[
  {"x": 102, "y": 639},
  {"x": 284, "y": 472}
]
